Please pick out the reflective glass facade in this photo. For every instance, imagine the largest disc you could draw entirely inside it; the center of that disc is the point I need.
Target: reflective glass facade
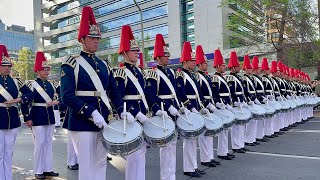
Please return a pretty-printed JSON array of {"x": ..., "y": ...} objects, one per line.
[{"x": 187, "y": 21}]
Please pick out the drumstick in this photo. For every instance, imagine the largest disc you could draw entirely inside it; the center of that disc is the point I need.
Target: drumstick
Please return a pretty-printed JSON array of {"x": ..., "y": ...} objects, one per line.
[
  {"x": 163, "y": 120},
  {"x": 240, "y": 105},
  {"x": 222, "y": 103},
  {"x": 109, "y": 127},
  {"x": 186, "y": 113},
  {"x": 125, "y": 119},
  {"x": 165, "y": 129},
  {"x": 184, "y": 119}
]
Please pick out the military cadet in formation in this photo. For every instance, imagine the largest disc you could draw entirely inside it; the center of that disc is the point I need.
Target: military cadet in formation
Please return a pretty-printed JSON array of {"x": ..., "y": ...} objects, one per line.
[
  {"x": 161, "y": 84},
  {"x": 237, "y": 94},
  {"x": 220, "y": 86},
  {"x": 205, "y": 142},
  {"x": 9, "y": 99},
  {"x": 41, "y": 118},
  {"x": 250, "y": 94},
  {"x": 191, "y": 98},
  {"x": 131, "y": 85},
  {"x": 87, "y": 86}
]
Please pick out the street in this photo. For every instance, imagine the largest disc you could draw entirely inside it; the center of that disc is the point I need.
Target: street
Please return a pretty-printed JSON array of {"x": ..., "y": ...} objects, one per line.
[{"x": 294, "y": 155}]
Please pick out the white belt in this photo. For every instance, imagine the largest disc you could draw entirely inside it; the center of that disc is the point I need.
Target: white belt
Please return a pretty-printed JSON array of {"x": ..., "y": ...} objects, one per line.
[
  {"x": 132, "y": 97},
  {"x": 260, "y": 91},
  {"x": 252, "y": 92},
  {"x": 7, "y": 105},
  {"x": 192, "y": 96},
  {"x": 207, "y": 97},
  {"x": 238, "y": 93},
  {"x": 40, "y": 104},
  {"x": 171, "y": 96},
  {"x": 224, "y": 94},
  {"x": 268, "y": 90},
  {"x": 91, "y": 93}
]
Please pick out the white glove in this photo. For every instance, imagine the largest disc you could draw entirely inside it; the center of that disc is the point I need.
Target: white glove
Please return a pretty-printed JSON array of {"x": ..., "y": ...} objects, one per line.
[
  {"x": 237, "y": 104},
  {"x": 204, "y": 111},
  {"x": 173, "y": 111},
  {"x": 288, "y": 97},
  {"x": 184, "y": 110},
  {"x": 228, "y": 107},
  {"x": 220, "y": 105},
  {"x": 161, "y": 113},
  {"x": 265, "y": 101},
  {"x": 279, "y": 98},
  {"x": 128, "y": 116},
  {"x": 250, "y": 102},
  {"x": 270, "y": 97},
  {"x": 257, "y": 101},
  {"x": 98, "y": 120},
  {"x": 244, "y": 104},
  {"x": 194, "y": 110},
  {"x": 142, "y": 118},
  {"x": 212, "y": 107}
]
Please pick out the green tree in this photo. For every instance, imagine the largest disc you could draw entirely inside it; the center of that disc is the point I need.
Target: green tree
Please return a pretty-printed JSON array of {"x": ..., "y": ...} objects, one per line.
[{"x": 23, "y": 67}]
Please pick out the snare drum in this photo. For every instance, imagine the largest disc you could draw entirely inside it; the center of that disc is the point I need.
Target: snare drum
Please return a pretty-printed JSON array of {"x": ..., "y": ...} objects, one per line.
[
  {"x": 214, "y": 124},
  {"x": 117, "y": 143},
  {"x": 158, "y": 134},
  {"x": 269, "y": 110},
  {"x": 292, "y": 104},
  {"x": 242, "y": 115},
  {"x": 227, "y": 117},
  {"x": 257, "y": 111},
  {"x": 191, "y": 125},
  {"x": 285, "y": 106},
  {"x": 276, "y": 105}
]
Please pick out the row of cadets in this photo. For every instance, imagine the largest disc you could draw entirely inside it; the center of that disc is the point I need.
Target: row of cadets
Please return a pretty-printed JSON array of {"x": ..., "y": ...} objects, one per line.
[
  {"x": 238, "y": 98},
  {"x": 251, "y": 95},
  {"x": 191, "y": 98},
  {"x": 41, "y": 119},
  {"x": 131, "y": 85},
  {"x": 9, "y": 98},
  {"x": 161, "y": 84},
  {"x": 223, "y": 96},
  {"x": 87, "y": 87},
  {"x": 205, "y": 142}
]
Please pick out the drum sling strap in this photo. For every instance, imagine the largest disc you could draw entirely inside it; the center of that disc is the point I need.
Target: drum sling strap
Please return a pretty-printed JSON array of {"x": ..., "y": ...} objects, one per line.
[
  {"x": 169, "y": 84},
  {"x": 188, "y": 78},
  {"x": 203, "y": 79},
  {"x": 41, "y": 91},
  {"x": 5, "y": 94}
]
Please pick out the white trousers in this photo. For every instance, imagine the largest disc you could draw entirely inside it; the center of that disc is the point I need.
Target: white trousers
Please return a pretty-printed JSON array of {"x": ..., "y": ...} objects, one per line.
[
  {"x": 42, "y": 157},
  {"x": 260, "y": 129},
  {"x": 268, "y": 126},
  {"x": 72, "y": 158},
  {"x": 223, "y": 143},
  {"x": 57, "y": 117},
  {"x": 91, "y": 153},
  {"x": 136, "y": 164},
  {"x": 7, "y": 141},
  {"x": 189, "y": 155},
  {"x": 275, "y": 123},
  {"x": 251, "y": 131},
  {"x": 237, "y": 136},
  {"x": 168, "y": 161},
  {"x": 304, "y": 113},
  {"x": 206, "y": 148}
]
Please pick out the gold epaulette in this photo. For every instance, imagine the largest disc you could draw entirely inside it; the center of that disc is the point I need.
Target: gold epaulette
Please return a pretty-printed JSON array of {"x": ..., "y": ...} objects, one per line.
[
  {"x": 179, "y": 74},
  {"x": 215, "y": 78},
  {"x": 151, "y": 74},
  {"x": 230, "y": 78},
  {"x": 28, "y": 83},
  {"x": 108, "y": 64},
  {"x": 71, "y": 61},
  {"x": 119, "y": 73},
  {"x": 20, "y": 82},
  {"x": 55, "y": 84}
]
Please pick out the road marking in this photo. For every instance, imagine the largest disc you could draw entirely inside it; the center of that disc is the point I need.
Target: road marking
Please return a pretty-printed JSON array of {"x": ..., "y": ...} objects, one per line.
[
  {"x": 284, "y": 155},
  {"x": 304, "y": 130},
  {"x": 313, "y": 121}
]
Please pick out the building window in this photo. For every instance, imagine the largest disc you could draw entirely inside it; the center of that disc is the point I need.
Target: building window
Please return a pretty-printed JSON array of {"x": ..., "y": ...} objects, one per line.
[{"x": 187, "y": 21}]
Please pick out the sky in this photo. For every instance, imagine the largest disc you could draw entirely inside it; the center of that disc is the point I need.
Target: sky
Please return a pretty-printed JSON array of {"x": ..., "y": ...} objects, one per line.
[{"x": 18, "y": 12}]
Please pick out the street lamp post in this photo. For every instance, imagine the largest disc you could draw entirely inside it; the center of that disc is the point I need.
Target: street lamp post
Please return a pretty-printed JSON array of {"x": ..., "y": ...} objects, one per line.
[{"x": 142, "y": 34}]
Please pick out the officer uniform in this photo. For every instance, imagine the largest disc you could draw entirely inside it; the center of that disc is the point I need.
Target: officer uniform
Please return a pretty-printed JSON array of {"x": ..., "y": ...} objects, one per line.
[
  {"x": 205, "y": 142},
  {"x": 10, "y": 121},
  {"x": 190, "y": 99},
  {"x": 161, "y": 84},
  {"x": 220, "y": 85},
  {"x": 87, "y": 84},
  {"x": 237, "y": 94},
  {"x": 137, "y": 102},
  {"x": 56, "y": 109},
  {"x": 250, "y": 93},
  {"x": 43, "y": 121}
]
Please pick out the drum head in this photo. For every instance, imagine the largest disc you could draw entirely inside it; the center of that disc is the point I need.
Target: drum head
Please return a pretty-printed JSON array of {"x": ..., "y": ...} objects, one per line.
[
  {"x": 133, "y": 131},
  {"x": 256, "y": 109},
  {"x": 292, "y": 104},
  {"x": 242, "y": 113},
  {"x": 285, "y": 104},
  {"x": 213, "y": 121},
  {"x": 197, "y": 122},
  {"x": 225, "y": 115},
  {"x": 275, "y": 104},
  {"x": 269, "y": 109},
  {"x": 156, "y": 132}
]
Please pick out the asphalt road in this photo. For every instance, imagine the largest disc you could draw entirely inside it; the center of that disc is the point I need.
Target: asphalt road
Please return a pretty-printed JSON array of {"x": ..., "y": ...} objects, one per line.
[{"x": 294, "y": 155}]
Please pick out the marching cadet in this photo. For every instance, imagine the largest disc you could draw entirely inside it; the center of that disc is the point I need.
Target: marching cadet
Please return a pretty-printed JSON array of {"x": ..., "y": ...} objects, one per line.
[
  {"x": 161, "y": 83},
  {"x": 87, "y": 83},
  {"x": 237, "y": 94},
  {"x": 269, "y": 94},
  {"x": 131, "y": 85},
  {"x": 250, "y": 93},
  {"x": 190, "y": 96},
  {"x": 10, "y": 121},
  {"x": 220, "y": 85},
  {"x": 259, "y": 94},
  {"x": 41, "y": 118},
  {"x": 205, "y": 142}
]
